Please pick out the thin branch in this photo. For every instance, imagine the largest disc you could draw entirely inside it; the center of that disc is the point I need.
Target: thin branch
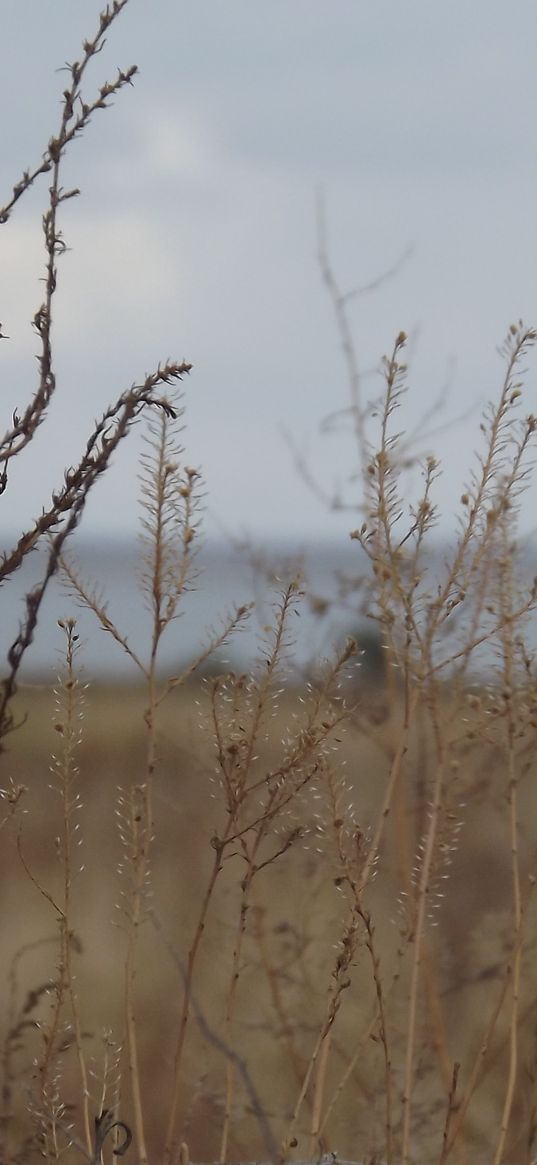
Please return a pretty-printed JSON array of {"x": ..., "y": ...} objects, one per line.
[{"x": 221, "y": 1046}]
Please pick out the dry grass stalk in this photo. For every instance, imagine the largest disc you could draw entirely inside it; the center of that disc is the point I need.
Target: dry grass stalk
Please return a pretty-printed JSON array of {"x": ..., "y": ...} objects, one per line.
[{"x": 377, "y": 998}]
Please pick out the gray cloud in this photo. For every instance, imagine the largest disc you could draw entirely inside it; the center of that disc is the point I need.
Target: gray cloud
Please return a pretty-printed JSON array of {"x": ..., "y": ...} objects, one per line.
[{"x": 195, "y": 233}]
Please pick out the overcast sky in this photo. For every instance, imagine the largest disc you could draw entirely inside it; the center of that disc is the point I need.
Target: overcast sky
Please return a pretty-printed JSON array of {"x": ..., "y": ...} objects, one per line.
[{"x": 195, "y": 234}]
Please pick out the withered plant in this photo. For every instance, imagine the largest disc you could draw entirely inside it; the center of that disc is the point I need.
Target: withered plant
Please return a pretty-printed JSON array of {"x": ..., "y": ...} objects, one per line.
[
  {"x": 341, "y": 958},
  {"x": 61, "y": 516}
]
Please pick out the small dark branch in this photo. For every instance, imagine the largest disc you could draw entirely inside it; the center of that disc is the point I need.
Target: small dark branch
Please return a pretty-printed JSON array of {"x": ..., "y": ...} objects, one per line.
[
  {"x": 452, "y": 1104},
  {"x": 68, "y": 506},
  {"x": 104, "y": 1125},
  {"x": 345, "y": 334},
  {"x": 71, "y": 100},
  {"x": 71, "y": 124},
  {"x": 221, "y": 1046}
]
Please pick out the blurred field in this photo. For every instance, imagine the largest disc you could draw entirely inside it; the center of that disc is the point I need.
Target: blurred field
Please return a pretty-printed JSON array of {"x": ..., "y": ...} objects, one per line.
[{"x": 295, "y": 921}]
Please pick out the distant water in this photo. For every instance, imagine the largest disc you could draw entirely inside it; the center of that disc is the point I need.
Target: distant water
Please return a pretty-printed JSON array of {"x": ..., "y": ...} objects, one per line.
[{"x": 226, "y": 579}]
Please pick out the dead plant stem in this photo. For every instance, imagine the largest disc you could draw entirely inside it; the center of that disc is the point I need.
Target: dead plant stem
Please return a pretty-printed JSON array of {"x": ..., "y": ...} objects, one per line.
[{"x": 419, "y": 938}]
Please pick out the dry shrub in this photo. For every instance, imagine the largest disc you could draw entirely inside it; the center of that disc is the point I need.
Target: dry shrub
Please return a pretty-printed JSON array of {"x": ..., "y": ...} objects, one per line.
[{"x": 325, "y": 928}]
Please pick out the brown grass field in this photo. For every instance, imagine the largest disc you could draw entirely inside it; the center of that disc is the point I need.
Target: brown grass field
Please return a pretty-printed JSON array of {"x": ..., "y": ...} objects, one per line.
[{"x": 295, "y": 920}]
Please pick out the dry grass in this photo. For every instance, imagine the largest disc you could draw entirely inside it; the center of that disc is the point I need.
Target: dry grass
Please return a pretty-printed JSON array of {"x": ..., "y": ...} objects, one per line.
[
  {"x": 287, "y": 945},
  {"x": 305, "y": 921}
]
